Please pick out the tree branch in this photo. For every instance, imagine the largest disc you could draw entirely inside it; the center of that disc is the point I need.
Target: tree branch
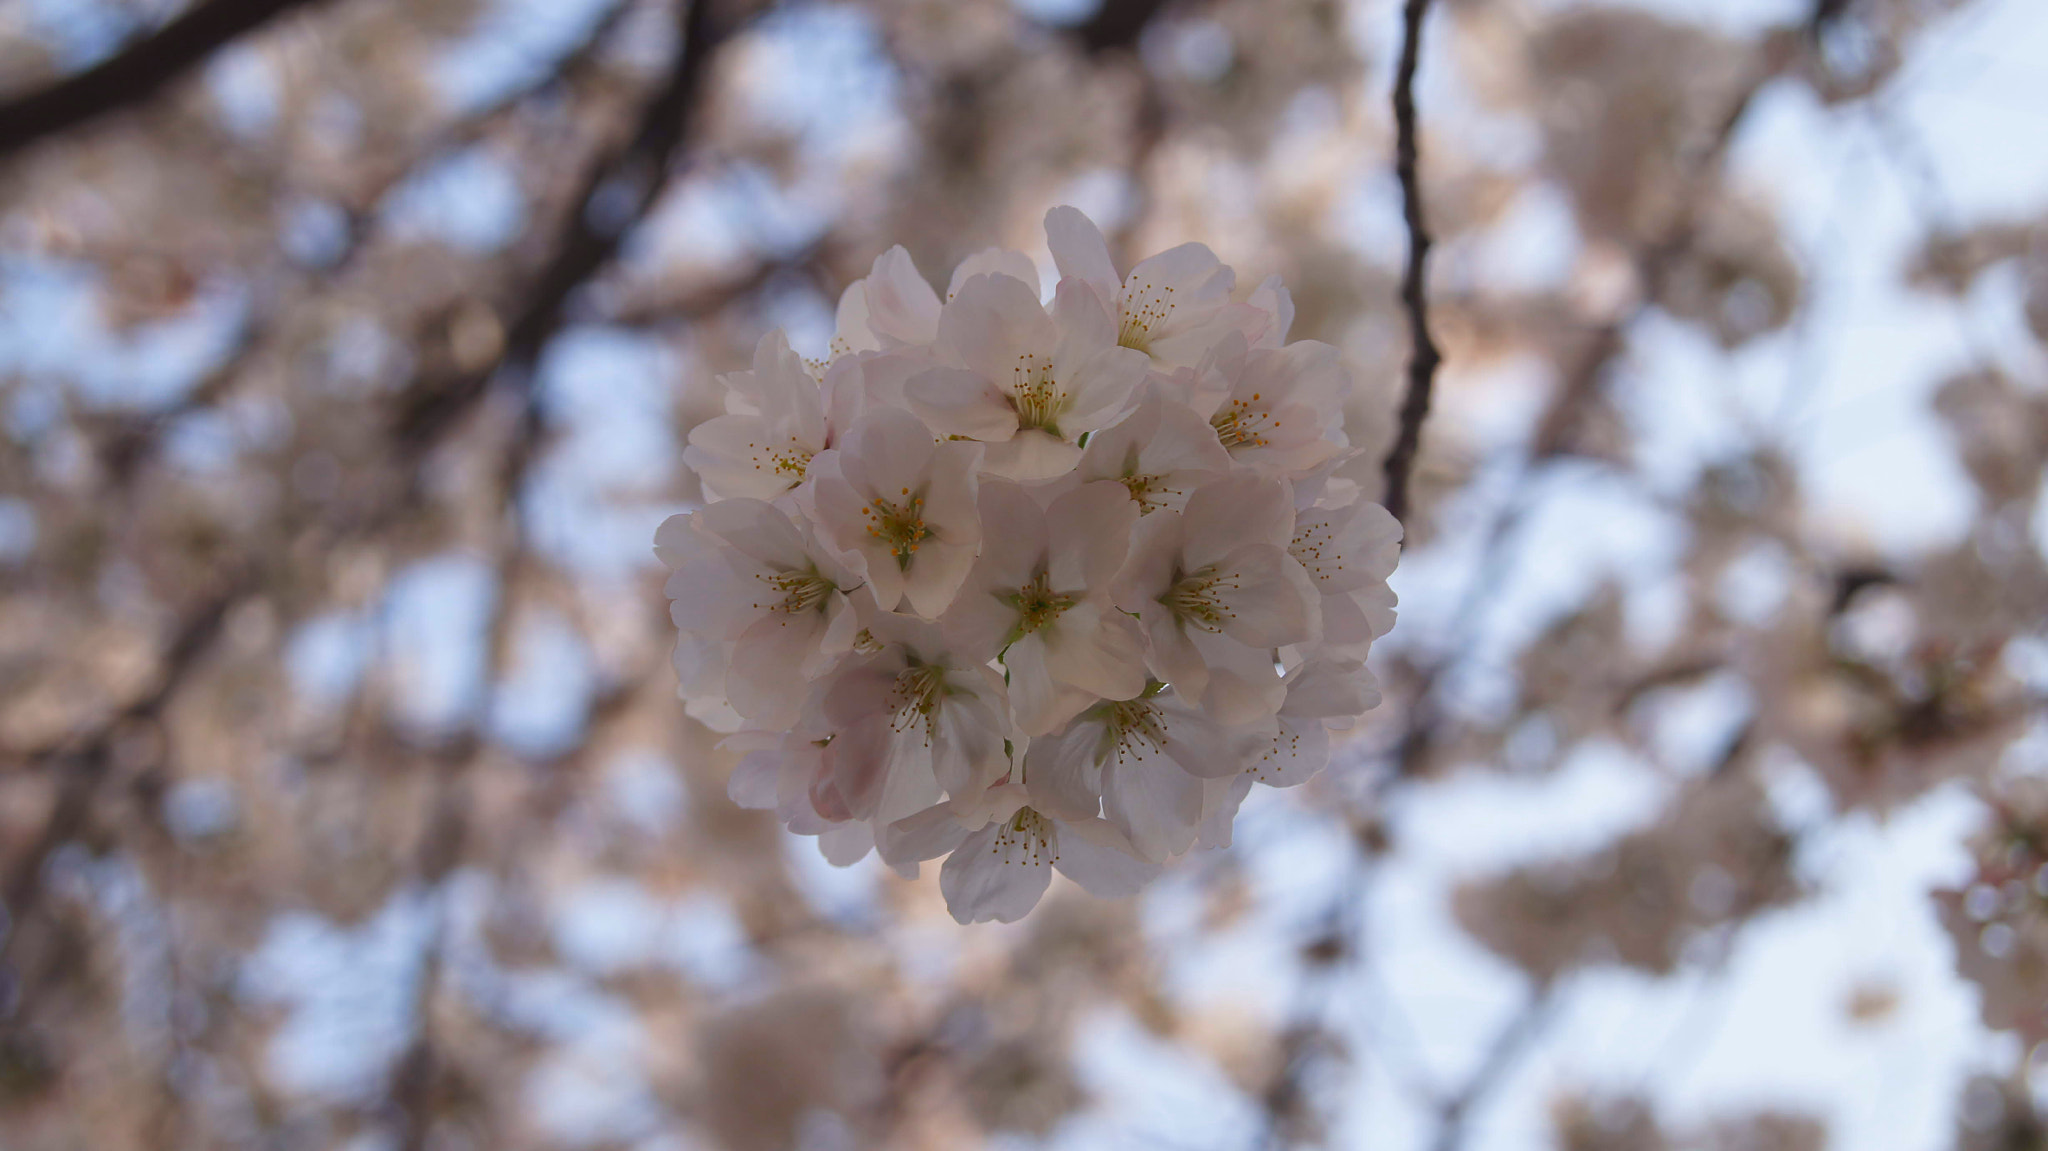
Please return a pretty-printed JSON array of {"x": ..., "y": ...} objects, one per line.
[
  {"x": 137, "y": 73},
  {"x": 637, "y": 173},
  {"x": 1425, "y": 358},
  {"x": 1500, "y": 1059}
]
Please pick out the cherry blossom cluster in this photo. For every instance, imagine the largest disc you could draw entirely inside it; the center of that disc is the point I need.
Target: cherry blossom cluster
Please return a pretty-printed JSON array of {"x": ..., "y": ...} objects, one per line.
[{"x": 1030, "y": 584}]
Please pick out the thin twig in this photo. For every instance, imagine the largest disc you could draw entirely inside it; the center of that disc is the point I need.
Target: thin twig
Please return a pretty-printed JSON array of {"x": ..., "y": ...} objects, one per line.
[
  {"x": 135, "y": 74},
  {"x": 1425, "y": 358},
  {"x": 1500, "y": 1059}
]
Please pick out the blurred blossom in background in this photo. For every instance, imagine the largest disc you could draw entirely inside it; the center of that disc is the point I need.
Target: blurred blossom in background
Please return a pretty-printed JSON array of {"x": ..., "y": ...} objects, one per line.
[{"x": 346, "y": 801}]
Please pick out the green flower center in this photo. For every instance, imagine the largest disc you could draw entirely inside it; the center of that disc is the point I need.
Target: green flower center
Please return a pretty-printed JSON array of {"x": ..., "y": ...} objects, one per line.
[
  {"x": 1197, "y": 598},
  {"x": 799, "y": 591},
  {"x": 899, "y": 525},
  {"x": 1036, "y": 605}
]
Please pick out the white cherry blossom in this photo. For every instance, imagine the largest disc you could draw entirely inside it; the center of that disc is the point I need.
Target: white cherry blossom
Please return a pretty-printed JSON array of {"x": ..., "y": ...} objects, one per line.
[
  {"x": 1349, "y": 551},
  {"x": 1173, "y": 306},
  {"x": 1145, "y": 762},
  {"x": 899, "y": 508},
  {"x": 1028, "y": 383},
  {"x": 1160, "y": 453},
  {"x": 1217, "y": 592},
  {"x": 1001, "y": 853},
  {"x": 893, "y": 307},
  {"x": 763, "y": 601},
  {"x": 1322, "y": 694},
  {"x": 1280, "y": 409},
  {"x": 908, "y": 725},
  {"x": 778, "y": 418},
  {"x": 1039, "y": 598}
]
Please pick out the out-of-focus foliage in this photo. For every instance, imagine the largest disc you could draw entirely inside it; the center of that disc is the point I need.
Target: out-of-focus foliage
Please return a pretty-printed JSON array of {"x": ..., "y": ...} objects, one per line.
[{"x": 346, "y": 801}]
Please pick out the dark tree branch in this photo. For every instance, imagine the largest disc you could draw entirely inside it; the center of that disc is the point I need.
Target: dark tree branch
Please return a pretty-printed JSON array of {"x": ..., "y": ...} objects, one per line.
[
  {"x": 1116, "y": 25},
  {"x": 1500, "y": 1059},
  {"x": 1425, "y": 358},
  {"x": 137, "y": 73},
  {"x": 614, "y": 195}
]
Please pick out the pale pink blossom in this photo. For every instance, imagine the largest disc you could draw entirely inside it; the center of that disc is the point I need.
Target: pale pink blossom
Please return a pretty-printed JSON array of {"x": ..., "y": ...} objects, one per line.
[
  {"x": 899, "y": 509},
  {"x": 1217, "y": 593},
  {"x": 1039, "y": 598},
  {"x": 1026, "y": 382}
]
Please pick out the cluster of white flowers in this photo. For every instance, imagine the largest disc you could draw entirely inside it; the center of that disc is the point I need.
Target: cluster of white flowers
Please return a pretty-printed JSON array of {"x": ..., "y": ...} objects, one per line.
[{"x": 1030, "y": 586}]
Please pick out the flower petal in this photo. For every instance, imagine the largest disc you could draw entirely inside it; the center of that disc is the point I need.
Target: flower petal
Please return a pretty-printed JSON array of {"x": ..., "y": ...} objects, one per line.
[
  {"x": 959, "y": 402},
  {"x": 1096, "y": 856},
  {"x": 995, "y": 262},
  {"x": 1080, "y": 252},
  {"x": 996, "y": 873}
]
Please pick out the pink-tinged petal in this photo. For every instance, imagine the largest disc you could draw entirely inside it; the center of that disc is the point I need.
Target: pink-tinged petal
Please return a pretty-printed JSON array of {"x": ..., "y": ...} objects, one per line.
[
  {"x": 700, "y": 668},
  {"x": 1204, "y": 745},
  {"x": 1099, "y": 389},
  {"x": 854, "y": 384},
  {"x": 1220, "y": 800},
  {"x": 708, "y": 598},
  {"x": 998, "y": 801},
  {"x": 1197, "y": 279},
  {"x": 1330, "y": 689},
  {"x": 1148, "y": 571},
  {"x": 1300, "y": 751},
  {"x": 756, "y": 781},
  {"x": 997, "y": 873},
  {"x": 744, "y": 456},
  {"x": 1272, "y": 298},
  {"x": 1035, "y": 700},
  {"x": 976, "y": 622},
  {"x": 673, "y": 540},
  {"x": 1014, "y": 546},
  {"x": 1377, "y": 602},
  {"x": 1264, "y": 597},
  {"x": 781, "y": 390},
  {"x": 861, "y": 690},
  {"x": 1064, "y": 771},
  {"x": 1099, "y": 858},
  {"x": 1096, "y": 649},
  {"x": 888, "y": 452},
  {"x": 902, "y": 308},
  {"x": 1085, "y": 326},
  {"x": 1172, "y": 654},
  {"x": 934, "y": 576},
  {"x": 1090, "y": 529},
  {"x": 995, "y": 326},
  {"x": 1306, "y": 372},
  {"x": 767, "y": 664},
  {"x": 959, "y": 402},
  {"x": 1240, "y": 694},
  {"x": 995, "y": 262},
  {"x": 1232, "y": 512},
  {"x": 845, "y": 844},
  {"x": 759, "y": 530},
  {"x": 967, "y": 748},
  {"x": 842, "y": 624},
  {"x": 854, "y": 769},
  {"x": 853, "y": 332},
  {"x": 927, "y": 835},
  {"x": 952, "y": 492},
  {"x": 1346, "y": 627},
  {"x": 910, "y": 780},
  {"x": 1030, "y": 456},
  {"x": 1195, "y": 332},
  {"x": 1080, "y": 252},
  {"x": 1152, "y": 800},
  {"x": 1184, "y": 442}
]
